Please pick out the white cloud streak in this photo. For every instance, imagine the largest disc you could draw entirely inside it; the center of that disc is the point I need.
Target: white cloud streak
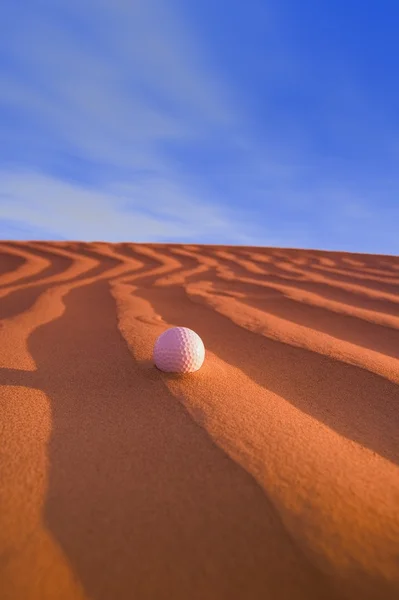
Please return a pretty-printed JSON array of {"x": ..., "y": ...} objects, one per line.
[
  {"x": 155, "y": 211},
  {"x": 129, "y": 78},
  {"x": 112, "y": 88}
]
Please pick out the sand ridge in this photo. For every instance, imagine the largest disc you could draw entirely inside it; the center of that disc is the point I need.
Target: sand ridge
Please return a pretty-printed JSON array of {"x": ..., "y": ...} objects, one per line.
[{"x": 273, "y": 472}]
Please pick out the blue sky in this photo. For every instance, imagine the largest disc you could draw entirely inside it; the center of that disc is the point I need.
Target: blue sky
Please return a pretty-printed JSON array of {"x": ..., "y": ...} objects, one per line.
[{"x": 269, "y": 123}]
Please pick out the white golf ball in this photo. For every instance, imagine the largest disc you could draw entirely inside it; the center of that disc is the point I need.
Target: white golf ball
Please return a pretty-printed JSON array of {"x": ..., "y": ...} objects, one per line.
[{"x": 179, "y": 350}]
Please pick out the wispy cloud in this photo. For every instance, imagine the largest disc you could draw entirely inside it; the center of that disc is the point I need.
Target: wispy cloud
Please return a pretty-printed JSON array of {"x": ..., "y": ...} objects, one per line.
[
  {"x": 155, "y": 210},
  {"x": 105, "y": 76},
  {"x": 109, "y": 83}
]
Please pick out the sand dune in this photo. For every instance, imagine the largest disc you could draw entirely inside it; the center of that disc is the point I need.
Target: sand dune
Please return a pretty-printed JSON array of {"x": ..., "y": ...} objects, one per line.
[{"x": 272, "y": 473}]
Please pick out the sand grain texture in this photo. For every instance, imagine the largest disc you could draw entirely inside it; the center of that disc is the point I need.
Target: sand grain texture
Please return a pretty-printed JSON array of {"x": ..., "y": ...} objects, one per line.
[{"x": 272, "y": 473}]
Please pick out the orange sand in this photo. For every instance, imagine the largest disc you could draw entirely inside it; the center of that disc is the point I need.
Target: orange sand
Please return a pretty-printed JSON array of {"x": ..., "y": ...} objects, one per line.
[{"x": 272, "y": 473}]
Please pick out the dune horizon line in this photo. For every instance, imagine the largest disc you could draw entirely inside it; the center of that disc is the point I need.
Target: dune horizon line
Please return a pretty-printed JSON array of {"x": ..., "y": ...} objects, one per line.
[{"x": 199, "y": 244}]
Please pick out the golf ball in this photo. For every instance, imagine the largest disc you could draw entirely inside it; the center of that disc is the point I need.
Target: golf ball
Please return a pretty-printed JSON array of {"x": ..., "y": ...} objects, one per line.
[{"x": 179, "y": 350}]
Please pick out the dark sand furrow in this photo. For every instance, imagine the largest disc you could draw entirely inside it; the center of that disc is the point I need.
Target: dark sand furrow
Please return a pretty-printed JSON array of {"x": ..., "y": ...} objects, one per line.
[
  {"x": 340, "y": 260},
  {"x": 192, "y": 269},
  {"x": 155, "y": 264},
  {"x": 254, "y": 268},
  {"x": 9, "y": 262},
  {"x": 380, "y": 273},
  {"x": 147, "y": 263},
  {"x": 327, "y": 264},
  {"x": 190, "y": 260},
  {"x": 304, "y": 257},
  {"x": 346, "y": 327},
  {"x": 285, "y": 267},
  {"x": 366, "y": 282},
  {"x": 186, "y": 259},
  {"x": 392, "y": 264},
  {"x": 354, "y": 297},
  {"x": 274, "y": 289},
  {"x": 360, "y": 274},
  {"x": 58, "y": 263},
  {"x": 32, "y": 266},
  {"x": 357, "y": 259},
  {"x": 278, "y": 266},
  {"x": 94, "y": 251},
  {"x": 113, "y": 262},
  {"x": 21, "y": 300}
]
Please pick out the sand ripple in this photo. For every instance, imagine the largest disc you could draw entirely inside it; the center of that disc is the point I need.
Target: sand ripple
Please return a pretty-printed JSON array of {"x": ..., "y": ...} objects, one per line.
[{"x": 273, "y": 472}]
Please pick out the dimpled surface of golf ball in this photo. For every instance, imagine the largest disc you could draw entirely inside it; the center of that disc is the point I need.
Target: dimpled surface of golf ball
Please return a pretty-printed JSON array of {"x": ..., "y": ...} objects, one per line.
[{"x": 179, "y": 350}]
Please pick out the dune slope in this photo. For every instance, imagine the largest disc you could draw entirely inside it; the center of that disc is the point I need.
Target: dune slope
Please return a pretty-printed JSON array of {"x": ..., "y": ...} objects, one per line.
[{"x": 273, "y": 472}]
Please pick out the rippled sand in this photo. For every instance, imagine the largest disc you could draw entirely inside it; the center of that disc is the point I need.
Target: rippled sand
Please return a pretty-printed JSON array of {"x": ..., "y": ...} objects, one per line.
[{"x": 272, "y": 473}]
